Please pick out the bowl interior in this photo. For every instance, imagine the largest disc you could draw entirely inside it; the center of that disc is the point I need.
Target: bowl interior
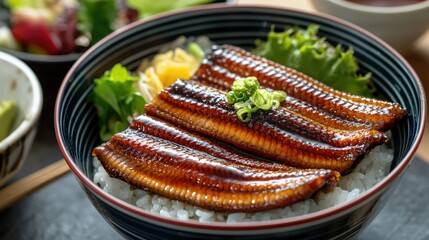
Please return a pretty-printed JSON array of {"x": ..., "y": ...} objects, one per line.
[{"x": 76, "y": 120}]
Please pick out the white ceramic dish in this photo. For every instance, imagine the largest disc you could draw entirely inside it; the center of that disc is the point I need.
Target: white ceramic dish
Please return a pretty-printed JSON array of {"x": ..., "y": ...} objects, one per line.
[
  {"x": 19, "y": 83},
  {"x": 399, "y": 26}
]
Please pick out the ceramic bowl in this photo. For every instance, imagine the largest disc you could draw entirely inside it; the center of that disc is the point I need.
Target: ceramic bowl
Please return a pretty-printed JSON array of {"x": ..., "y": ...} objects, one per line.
[
  {"x": 400, "y": 26},
  {"x": 18, "y": 83},
  {"x": 77, "y": 128}
]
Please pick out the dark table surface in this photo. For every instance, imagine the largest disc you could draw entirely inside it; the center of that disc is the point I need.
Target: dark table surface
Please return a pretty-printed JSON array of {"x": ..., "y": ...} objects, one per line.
[{"x": 61, "y": 209}]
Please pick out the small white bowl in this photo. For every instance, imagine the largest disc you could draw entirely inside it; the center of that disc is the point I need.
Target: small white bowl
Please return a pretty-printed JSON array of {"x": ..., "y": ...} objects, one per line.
[
  {"x": 399, "y": 26},
  {"x": 19, "y": 83}
]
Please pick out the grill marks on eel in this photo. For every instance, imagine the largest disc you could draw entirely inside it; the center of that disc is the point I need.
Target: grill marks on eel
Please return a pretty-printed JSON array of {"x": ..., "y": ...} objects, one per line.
[
  {"x": 218, "y": 77},
  {"x": 381, "y": 115},
  {"x": 277, "y": 134},
  {"x": 172, "y": 162}
]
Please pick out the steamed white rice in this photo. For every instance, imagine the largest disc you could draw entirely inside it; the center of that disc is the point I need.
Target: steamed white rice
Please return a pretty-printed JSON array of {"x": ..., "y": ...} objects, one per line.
[{"x": 370, "y": 171}]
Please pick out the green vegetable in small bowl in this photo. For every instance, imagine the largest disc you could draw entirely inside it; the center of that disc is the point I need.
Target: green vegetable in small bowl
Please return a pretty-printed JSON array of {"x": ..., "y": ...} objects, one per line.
[{"x": 8, "y": 113}]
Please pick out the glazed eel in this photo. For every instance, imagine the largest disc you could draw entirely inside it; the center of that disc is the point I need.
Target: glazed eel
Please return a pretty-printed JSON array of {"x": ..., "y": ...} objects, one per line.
[
  {"x": 169, "y": 161},
  {"x": 218, "y": 77},
  {"x": 278, "y": 134},
  {"x": 380, "y": 115}
]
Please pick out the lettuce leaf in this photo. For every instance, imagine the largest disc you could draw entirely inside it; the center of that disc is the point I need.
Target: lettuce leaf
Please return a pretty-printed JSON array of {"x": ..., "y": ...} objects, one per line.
[
  {"x": 304, "y": 51},
  {"x": 96, "y": 18},
  {"x": 116, "y": 100}
]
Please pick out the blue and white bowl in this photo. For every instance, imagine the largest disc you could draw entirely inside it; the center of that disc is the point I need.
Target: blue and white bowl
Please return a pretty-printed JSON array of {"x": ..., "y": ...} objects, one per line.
[{"x": 77, "y": 129}]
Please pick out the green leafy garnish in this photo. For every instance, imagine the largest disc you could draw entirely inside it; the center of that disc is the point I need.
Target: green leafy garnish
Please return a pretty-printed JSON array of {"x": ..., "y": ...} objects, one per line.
[
  {"x": 304, "y": 51},
  {"x": 116, "y": 100},
  {"x": 146, "y": 8},
  {"x": 96, "y": 18},
  {"x": 248, "y": 97}
]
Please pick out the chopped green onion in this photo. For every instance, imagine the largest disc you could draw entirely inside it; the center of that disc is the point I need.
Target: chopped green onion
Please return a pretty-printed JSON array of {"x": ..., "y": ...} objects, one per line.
[
  {"x": 248, "y": 97},
  {"x": 276, "y": 104},
  {"x": 279, "y": 96},
  {"x": 262, "y": 99},
  {"x": 196, "y": 51},
  {"x": 244, "y": 114}
]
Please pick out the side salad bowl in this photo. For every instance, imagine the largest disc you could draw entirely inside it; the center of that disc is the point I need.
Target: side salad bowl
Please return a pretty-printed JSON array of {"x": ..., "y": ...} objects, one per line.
[
  {"x": 52, "y": 68},
  {"x": 76, "y": 122}
]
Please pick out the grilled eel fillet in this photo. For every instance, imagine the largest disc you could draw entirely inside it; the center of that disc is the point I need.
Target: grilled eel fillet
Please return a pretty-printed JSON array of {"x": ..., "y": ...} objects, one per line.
[
  {"x": 169, "y": 161},
  {"x": 278, "y": 134},
  {"x": 341, "y": 110},
  {"x": 218, "y": 77}
]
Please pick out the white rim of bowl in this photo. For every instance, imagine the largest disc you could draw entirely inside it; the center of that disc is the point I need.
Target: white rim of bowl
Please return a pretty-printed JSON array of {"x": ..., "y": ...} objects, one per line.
[
  {"x": 379, "y": 9},
  {"x": 33, "y": 114},
  {"x": 296, "y": 221}
]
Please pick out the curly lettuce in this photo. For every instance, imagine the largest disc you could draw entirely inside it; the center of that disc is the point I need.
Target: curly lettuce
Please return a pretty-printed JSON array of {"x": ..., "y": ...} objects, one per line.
[{"x": 304, "y": 51}]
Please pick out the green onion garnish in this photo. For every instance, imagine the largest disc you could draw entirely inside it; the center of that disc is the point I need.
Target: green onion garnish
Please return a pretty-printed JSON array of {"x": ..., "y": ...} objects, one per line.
[{"x": 248, "y": 97}]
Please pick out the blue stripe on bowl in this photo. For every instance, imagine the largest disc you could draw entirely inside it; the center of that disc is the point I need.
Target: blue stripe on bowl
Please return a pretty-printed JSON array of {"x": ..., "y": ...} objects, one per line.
[{"x": 77, "y": 124}]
